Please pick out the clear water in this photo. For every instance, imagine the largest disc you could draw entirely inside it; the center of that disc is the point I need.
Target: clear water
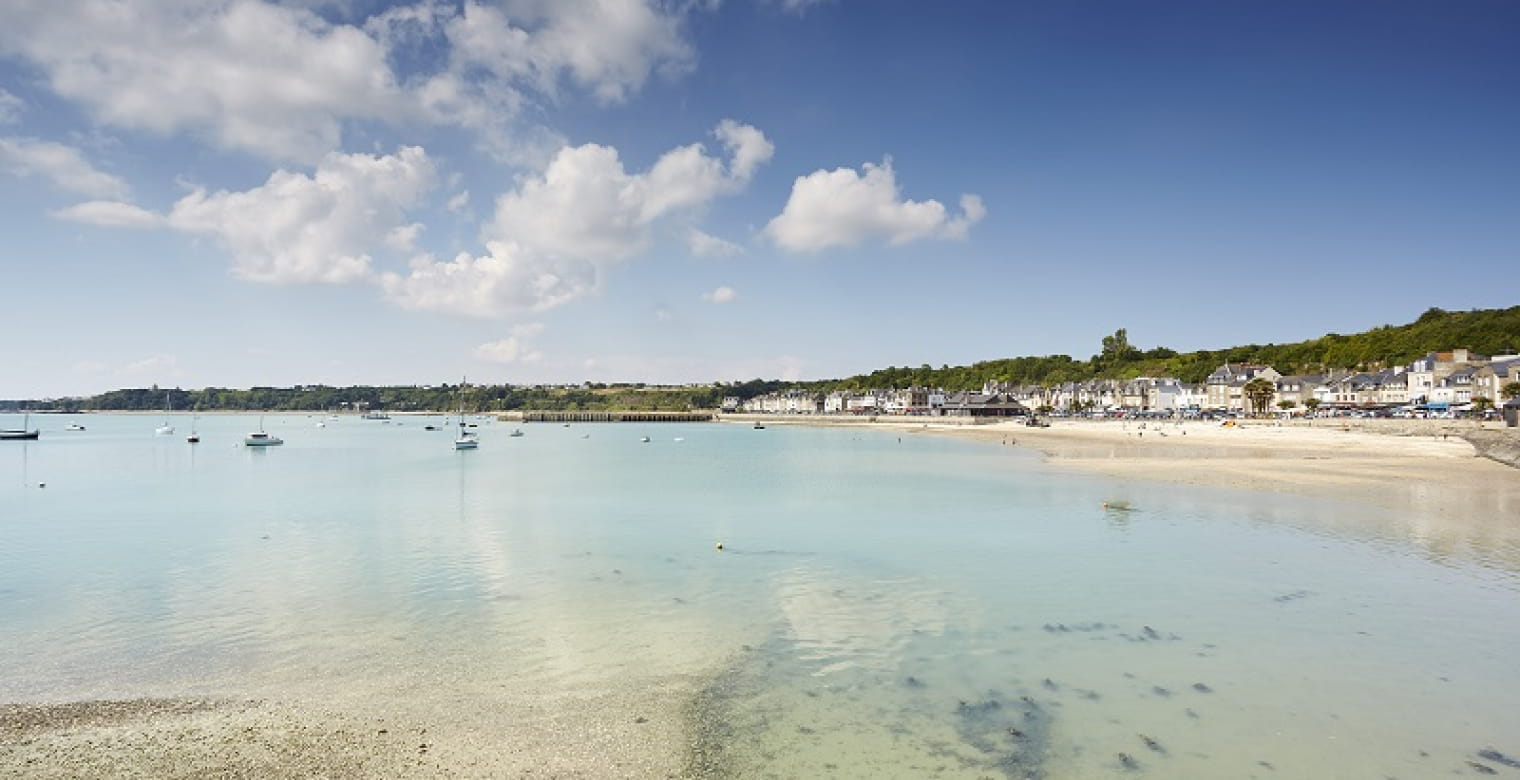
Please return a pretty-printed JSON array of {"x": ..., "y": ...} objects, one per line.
[{"x": 883, "y": 606}]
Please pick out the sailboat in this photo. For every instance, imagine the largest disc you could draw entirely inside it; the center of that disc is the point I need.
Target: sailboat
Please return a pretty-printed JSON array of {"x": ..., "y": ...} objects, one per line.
[
  {"x": 165, "y": 429},
  {"x": 466, "y": 440},
  {"x": 261, "y": 439},
  {"x": 193, "y": 438},
  {"x": 21, "y": 434}
]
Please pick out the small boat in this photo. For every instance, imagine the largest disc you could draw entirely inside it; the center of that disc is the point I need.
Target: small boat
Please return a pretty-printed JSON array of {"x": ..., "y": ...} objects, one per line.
[
  {"x": 466, "y": 440},
  {"x": 74, "y": 427},
  {"x": 759, "y": 427},
  {"x": 261, "y": 439},
  {"x": 20, "y": 434},
  {"x": 515, "y": 432},
  {"x": 375, "y": 416},
  {"x": 644, "y": 439},
  {"x": 431, "y": 428},
  {"x": 193, "y": 438},
  {"x": 165, "y": 429}
]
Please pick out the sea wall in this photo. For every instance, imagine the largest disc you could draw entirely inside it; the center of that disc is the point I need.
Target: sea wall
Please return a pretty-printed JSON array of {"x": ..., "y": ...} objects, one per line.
[{"x": 1502, "y": 445}]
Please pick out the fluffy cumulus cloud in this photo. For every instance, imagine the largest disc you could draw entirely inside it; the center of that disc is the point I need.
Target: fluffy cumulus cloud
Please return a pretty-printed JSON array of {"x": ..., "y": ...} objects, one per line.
[
  {"x": 723, "y": 294},
  {"x": 551, "y": 238},
  {"x": 256, "y": 76},
  {"x": 843, "y": 207},
  {"x": 517, "y": 347},
  {"x": 64, "y": 167},
  {"x": 313, "y": 228},
  {"x": 609, "y": 47},
  {"x": 282, "y": 81}
]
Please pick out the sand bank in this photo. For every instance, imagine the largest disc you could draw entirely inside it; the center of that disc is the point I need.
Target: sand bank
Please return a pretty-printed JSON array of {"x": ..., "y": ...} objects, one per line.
[{"x": 608, "y": 736}]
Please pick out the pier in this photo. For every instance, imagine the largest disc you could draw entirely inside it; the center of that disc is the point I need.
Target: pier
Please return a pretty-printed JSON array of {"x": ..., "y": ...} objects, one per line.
[{"x": 605, "y": 416}]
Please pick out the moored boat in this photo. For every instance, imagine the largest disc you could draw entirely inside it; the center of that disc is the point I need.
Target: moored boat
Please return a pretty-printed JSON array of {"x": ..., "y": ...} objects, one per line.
[
  {"x": 261, "y": 439},
  {"x": 22, "y": 433}
]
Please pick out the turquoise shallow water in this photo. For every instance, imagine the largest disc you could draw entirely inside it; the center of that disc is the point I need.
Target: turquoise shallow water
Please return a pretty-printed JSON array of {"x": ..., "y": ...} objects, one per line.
[{"x": 884, "y": 606}]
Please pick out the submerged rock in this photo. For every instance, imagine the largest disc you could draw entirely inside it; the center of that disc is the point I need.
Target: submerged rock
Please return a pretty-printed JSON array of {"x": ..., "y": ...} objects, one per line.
[
  {"x": 1495, "y": 756},
  {"x": 1014, "y": 738}
]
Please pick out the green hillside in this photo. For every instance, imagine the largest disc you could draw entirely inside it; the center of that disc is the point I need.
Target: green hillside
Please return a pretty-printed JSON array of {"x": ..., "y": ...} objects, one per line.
[{"x": 1484, "y": 331}]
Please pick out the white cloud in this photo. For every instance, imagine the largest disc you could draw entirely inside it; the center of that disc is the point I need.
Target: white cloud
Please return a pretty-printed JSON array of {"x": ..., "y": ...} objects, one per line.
[
  {"x": 723, "y": 294},
  {"x": 459, "y": 202},
  {"x": 110, "y": 213},
  {"x": 10, "y": 107},
  {"x": 662, "y": 314},
  {"x": 317, "y": 228},
  {"x": 278, "y": 80},
  {"x": 63, "y": 166},
  {"x": 749, "y": 146},
  {"x": 245, "y": 74},
  {"x": 552, "y": 237},
  {"x": 705, "y": 245},
  {"x": 403, "y": 238},
  {"x": 844, "y": 208},
  {"x": 515, "y": 348},
  {"x": 503, "y": 281},
  {"x": 610, "y": 47}
]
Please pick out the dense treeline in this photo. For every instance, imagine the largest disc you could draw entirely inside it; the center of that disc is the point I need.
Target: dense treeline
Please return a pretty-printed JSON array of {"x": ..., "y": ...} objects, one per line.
[
  {"x": 487, "y": 398},
  {"x": 1485, "y": 331}
]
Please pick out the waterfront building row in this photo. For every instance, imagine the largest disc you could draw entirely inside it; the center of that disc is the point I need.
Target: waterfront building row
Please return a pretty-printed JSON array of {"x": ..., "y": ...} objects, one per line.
[{"x": 1437, "y": 381}]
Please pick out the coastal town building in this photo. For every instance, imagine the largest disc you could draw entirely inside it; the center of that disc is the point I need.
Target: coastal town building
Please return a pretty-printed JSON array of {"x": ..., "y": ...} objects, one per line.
[
  {"x": 1226, "y": 386},
  {"x": 1438, "y": 382}
]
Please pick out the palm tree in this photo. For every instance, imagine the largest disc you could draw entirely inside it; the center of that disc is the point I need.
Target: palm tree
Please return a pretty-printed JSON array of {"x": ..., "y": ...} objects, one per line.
[{"x": 1259, "y": 392}]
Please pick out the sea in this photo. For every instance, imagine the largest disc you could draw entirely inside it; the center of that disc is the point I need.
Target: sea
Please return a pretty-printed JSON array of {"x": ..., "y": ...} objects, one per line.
[{"x": 851, "y": 602}]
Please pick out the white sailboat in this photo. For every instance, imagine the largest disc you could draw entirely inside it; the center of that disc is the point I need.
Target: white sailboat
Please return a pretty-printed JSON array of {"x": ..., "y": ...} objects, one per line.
[
  {"x": 261, "y": 439},
  {"x": 166, "y": 429},
  {"x": 20, "y": 434},
  {"x": 194, "y": 437},
  {"x": 466, "y": 440}
]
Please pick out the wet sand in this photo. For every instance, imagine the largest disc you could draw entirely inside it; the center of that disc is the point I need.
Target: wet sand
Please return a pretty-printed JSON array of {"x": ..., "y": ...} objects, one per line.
[{"x": 599, "y": 737}]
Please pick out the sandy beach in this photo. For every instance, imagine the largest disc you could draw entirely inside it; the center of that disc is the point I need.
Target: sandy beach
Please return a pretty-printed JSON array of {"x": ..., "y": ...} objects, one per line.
[{"x": 1404, "y": 465}]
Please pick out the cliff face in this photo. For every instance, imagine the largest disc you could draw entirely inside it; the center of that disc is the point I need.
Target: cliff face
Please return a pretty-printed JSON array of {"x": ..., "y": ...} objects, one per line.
[{"x": 1500, "y": 445}]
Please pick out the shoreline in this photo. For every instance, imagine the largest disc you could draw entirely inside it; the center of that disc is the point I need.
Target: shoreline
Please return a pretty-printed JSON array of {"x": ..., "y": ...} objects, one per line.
[
  {"x": 1427, "y": 482},
  {"x": 1440, "y": 492}
]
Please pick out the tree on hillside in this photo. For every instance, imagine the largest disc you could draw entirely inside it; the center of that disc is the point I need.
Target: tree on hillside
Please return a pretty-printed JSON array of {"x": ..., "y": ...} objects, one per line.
[
  {"x": 1259, "y": 392},
  {"x": 1117, "y": 345}
]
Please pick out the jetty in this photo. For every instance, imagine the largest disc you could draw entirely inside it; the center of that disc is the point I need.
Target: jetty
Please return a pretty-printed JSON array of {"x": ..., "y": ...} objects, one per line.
[{"x": 615, "y": 416}]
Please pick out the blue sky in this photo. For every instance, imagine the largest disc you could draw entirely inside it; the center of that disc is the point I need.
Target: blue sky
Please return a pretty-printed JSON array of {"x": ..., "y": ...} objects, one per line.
[{"x": 241, "y": 192}]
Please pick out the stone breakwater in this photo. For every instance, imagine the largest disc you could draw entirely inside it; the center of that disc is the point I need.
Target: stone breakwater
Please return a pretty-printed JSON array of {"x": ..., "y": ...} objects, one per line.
[{"x": 1500, "y": 445}]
